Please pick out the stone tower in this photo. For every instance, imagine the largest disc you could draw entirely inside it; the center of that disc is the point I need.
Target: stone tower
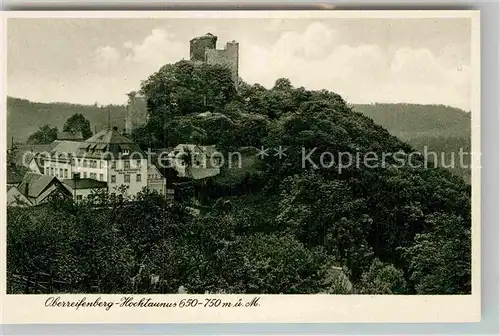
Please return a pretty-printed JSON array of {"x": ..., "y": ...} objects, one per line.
[
  {"x": 203, "y": 49},
  {"x": 198, "y": 45},
  {"x": 136, "y": 112}
]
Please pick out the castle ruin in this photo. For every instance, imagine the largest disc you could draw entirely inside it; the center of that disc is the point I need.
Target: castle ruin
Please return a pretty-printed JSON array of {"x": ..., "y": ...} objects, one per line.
[{"x": 203, "y": 49}]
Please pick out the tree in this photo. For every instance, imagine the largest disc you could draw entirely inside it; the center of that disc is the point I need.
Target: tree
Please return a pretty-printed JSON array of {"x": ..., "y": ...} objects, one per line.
[
  {"x": 440, "y": 258},
  {"x": 382, "y": 278},
  {"x": 185, "y": 88},
  {"x": 272, "y": 264},
  {"x": 326, "y": 213},
  {"x": 283, "y": 84},
  {"x": 44, "y": 135},
  {"x": 78, "y": 123}
]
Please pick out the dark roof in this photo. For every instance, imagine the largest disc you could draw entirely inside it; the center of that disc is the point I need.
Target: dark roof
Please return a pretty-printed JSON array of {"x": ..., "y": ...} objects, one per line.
[
  {"x": 14, "y": 176},
  {"x": 36, "y": 184},
  {"x": 110, "y": 141},
  {"x": 85, "y": 183},
  {"x": 108, "y": 137},
  {"x": 75, "y": 136}
]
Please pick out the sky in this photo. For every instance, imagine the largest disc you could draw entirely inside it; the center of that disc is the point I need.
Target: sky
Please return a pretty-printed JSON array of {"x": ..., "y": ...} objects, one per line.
[{"x": 425, "y": 61}]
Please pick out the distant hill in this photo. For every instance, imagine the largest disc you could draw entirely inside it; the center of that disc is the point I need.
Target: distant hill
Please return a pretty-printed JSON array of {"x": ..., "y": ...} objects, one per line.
[
  {"x": 25, "y": 117},
  {"x": 409, "y": 121},
  {"x": 442, "y": 129}
]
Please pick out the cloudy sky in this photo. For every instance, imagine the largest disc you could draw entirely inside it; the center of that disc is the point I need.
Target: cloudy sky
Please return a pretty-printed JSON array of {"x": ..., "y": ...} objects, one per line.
[{"x": 365, "y": 60}]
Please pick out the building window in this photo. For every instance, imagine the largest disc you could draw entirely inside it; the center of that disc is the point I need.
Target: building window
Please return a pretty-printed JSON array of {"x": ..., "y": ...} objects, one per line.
[
  {"x": 51, "y": 171},
  {"x": 138, "y": 178},
  {"x": 101, "y": 177},
  {"x": 137, "y": 163},
  {"x": 65, "y": 173},
  {"x": 127, "y": 178},
  {"x": 93, "y": 176},
  {"x": 113, "y": 178},
  {"x": 84, "y": 174},
  {"x": 125, "y": 152},
  {"x": 85, "y": 163},
  {"x": 126, "y": 164},
  {"x": 113, "y": 165},
  {"x": 100, "y": 164}
]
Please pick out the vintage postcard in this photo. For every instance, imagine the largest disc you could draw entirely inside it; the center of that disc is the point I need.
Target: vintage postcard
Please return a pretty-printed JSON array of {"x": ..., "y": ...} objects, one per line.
[{"x": 241, "y": 166}]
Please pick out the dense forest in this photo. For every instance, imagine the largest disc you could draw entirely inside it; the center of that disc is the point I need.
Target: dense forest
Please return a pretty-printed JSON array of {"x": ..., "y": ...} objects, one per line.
[{"x": 273, "y": 225}]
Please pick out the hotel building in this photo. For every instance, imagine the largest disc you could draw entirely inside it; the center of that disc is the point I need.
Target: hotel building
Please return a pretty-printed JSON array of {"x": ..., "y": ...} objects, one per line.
[{"x": 108, "y": 157}]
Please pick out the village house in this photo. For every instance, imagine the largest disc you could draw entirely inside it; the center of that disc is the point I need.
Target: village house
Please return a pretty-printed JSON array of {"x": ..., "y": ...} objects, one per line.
[
  {"x": 83, "y": 188},
  {"x": 58, "y": 161},
  {"x": 108, "y": 157},
  {"x": 106, "y": 161},
  {"x": 36, "y": 189},
  {"x": 30, "y": 157},
  {"x": 194, "y": 161},
  {"x": 156, "y": 181},
  {"x": 70, "y": 136}
]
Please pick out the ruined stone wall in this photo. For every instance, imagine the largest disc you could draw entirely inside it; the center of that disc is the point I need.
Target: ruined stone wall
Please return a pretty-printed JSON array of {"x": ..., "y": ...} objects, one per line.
[
  {"x": 136, "y": 115},
  {"x": 199, "y": 45},
  {"x": 227, "y": 57}
]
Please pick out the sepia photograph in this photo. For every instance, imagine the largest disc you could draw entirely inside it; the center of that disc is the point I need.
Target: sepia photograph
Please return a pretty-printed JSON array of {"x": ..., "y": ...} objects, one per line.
[{"x": 240, "y": 155}]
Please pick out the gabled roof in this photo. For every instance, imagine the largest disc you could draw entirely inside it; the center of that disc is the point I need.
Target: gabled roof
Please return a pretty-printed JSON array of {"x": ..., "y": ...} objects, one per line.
[
  {"x": 35, "y": 183},
  {"x": 14, "y": 176},
  {"x": 187, "y": 147},
  {"x": 152, "y": 169},
  {"x": 75, "y": 136},
  {"x": 207, "y": 150},
  {"x": 85, "y": 183},
  {"x": 107, "y": 141}
]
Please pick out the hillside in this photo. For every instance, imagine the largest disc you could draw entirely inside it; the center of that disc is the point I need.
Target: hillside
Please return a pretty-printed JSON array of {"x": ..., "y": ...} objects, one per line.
[
  {"x": 442, "y": 129},
  {"x": 409, "y": 121},
  {"x": 25, "y": 117}
]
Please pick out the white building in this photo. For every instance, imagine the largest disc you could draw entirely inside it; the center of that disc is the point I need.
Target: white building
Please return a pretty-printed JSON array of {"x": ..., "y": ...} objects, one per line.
[
  {"x": 82, "y": 188},
  {"x": 196, "y": 162},
  {"x": 108, "y": 157},
  {"x": 156, "y": 181}
]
